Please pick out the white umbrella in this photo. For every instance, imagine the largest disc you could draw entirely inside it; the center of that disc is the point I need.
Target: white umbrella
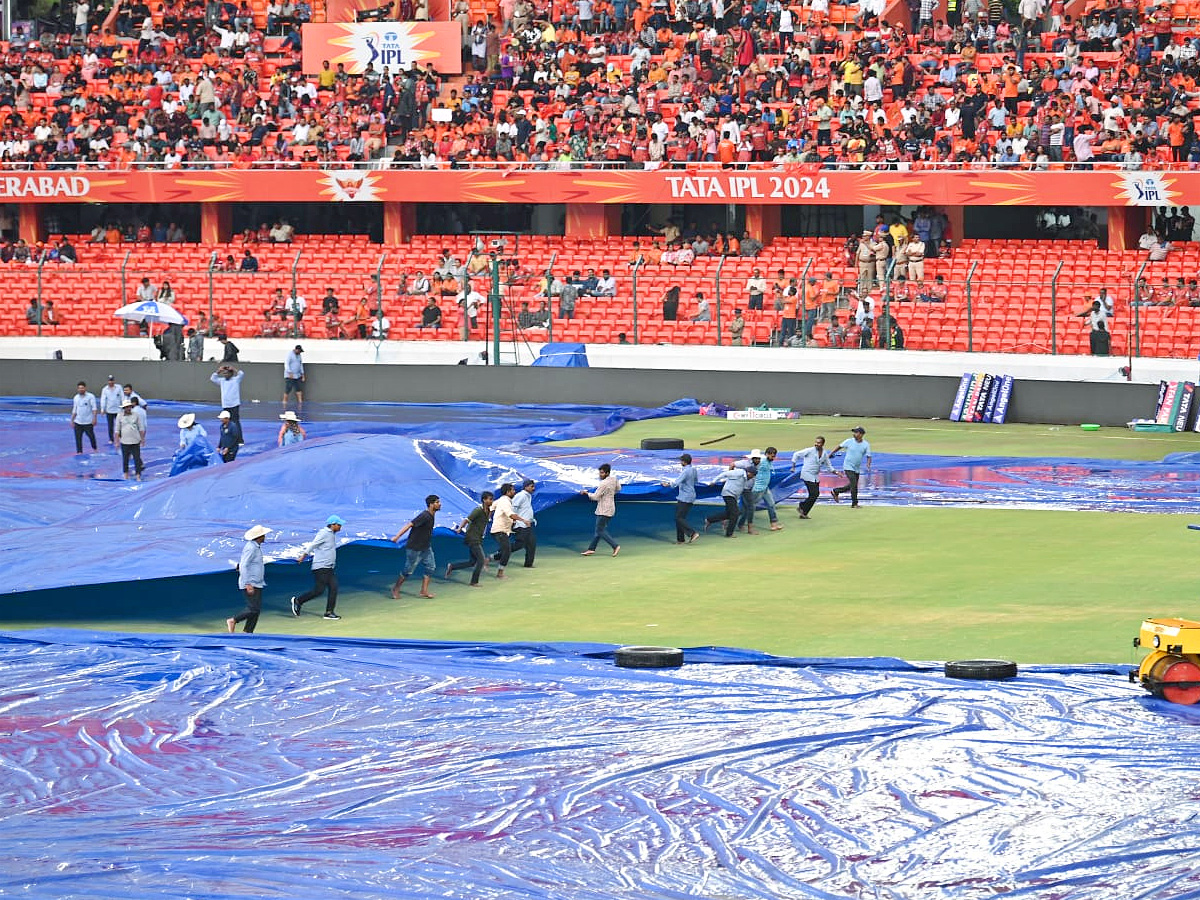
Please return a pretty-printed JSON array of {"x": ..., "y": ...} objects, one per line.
[{"x": 150, "y": 311}]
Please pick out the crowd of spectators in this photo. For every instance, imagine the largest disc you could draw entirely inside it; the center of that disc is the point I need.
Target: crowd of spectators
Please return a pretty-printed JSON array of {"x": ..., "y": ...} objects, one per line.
[{"x": 645, "y": 84}]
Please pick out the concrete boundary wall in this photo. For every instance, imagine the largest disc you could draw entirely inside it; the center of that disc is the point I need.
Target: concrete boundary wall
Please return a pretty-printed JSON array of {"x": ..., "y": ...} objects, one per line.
[{"x": 864, "y": 394}]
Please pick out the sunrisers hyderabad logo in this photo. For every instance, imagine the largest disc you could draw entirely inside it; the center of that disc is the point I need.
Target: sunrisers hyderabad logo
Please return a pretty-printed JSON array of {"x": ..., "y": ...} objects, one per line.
[
  {"x": 349, "y": 185},
  {"x": 1147, "y": 189}
]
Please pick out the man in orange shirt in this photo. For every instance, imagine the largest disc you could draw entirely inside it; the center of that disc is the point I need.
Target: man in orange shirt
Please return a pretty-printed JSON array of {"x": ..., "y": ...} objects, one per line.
[
  {"x": 726, "y": 149},
  {"x": 830, "y": 288},
  {"x": 809, "y": 305}
]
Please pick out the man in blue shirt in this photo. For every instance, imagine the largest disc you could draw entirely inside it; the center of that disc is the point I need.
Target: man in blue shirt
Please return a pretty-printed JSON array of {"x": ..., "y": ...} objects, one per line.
[
  {"x": 83, "y": 416},
  {"x": 811, "y": 460},
  {"x": 523, "y": 534},
  {"x": 760, "y": 492},
  {"x": 293, "y": 377},
  {"x": 251, "y": 579},
  {"x": 685, "y": 484},
  {"x": 230, "y": 439},
  {"x": 735, "y": 478},
  {"x": 857, "y": 462},
  {"x": 323, "y": 548}
]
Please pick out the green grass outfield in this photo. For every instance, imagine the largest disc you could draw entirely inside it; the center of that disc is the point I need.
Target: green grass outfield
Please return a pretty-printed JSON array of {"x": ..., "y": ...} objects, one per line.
[{"x": 917, "y": 583}]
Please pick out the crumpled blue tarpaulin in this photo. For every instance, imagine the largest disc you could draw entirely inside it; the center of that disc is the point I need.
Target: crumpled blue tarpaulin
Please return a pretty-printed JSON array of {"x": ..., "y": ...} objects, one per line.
[
  {"x": 257, "y": 765},
  {"x": 373, "y": 464}
]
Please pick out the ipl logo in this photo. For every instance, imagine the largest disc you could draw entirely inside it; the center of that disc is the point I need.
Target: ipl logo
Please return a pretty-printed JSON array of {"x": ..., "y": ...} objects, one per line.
[
  {"x": 1147, "y": 189},
  {"x": 390, "y": 51}
]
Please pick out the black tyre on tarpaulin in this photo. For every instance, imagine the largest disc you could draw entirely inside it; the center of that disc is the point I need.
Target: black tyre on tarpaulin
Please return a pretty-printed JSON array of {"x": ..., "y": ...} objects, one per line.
[
  {"x": 662, "y": 443},
  {"x": 648, "y": 657},
  {"x": 981, "y": 669}
]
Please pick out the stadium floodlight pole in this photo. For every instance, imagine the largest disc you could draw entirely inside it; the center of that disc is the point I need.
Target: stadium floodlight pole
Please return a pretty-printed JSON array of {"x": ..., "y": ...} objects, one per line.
[
  {"x": 717, "y": 292},
  {"x": 888, "y": 274},
  {"x": 637, "y": 264},
  {"x": 295, "y": 293},
  {"x": 466, "y": 289},
  {"x": 801, "y": 309},
  {"x": 124, "y": 296},
  {"x": 379, "y": 305},
  {"x": 494, "y": 301},
  {"x": 38, "y": 303},
  {"x": 970, "y": 325},
  {"x": 1054, "y": 309},
  {"x": 1137, "y": 329},
  {"x": 549, "y": 296},
  {"x": 212, "y": 267}
]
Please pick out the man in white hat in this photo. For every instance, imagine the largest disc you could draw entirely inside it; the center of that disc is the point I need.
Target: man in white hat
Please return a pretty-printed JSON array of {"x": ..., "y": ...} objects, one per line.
[
  {"x": 291, "y": 431},
  {"x": 251, "y": 579},
  {"x": 750, "y": 493},
  {"x": 231, "y": 437},
  {"x": 131, "y": 435},
  {"x": 189, "y": 430},
  {"x": 323, "y": 548}
]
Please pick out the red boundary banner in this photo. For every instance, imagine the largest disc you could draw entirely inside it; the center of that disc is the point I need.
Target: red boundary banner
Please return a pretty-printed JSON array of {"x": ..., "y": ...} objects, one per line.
[{"x": 514, "y": 185}]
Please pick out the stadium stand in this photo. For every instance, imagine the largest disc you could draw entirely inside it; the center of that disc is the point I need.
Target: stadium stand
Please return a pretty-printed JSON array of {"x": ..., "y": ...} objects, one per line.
[{"x": 637, "y": 85}]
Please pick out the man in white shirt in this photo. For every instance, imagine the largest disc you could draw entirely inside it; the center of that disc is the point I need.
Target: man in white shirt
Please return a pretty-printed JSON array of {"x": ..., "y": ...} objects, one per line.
[
  {"x": 110, "y": 404},
  {"x": 83, "y": 416},
  {"x": 503, "y": 519},
  {"x": 146, "y": 291},
  {"x": 606, "y": 286}
]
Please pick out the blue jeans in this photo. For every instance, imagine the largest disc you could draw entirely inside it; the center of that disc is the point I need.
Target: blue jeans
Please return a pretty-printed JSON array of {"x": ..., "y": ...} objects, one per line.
[
  {"x": 602, "y": 533},
  {"x": 423, "y": 559},
  {"x": 769, "y": 501},
  {"x": 749, "y": 502}
]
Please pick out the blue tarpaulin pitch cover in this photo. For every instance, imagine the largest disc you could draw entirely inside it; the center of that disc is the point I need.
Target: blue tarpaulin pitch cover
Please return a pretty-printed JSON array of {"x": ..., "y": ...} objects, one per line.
[
  {"x": 254, "y": 766},
  {"x": 571, "y": 356}
]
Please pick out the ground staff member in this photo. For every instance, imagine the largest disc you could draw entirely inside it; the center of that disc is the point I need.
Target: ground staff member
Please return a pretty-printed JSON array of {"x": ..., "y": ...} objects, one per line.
[
  {"x": 764, "y": 472},
  {"x": 751, "y": 494},
  {"x": 810, "y": 461},
  {"x": 685, "y": 485},
  {"x": 293, "y": 377},
  {"x": 83, "y": 416},
  {"x": 605, "y": 498},
  {"x": 503, "y": 520},
  {"x": 131, "y": 435},
  {"x": 523, "y": 534},
  {"x": 229, "y": 380},
  {"x": 251, "y": 580},
  {"x": 735, "y": 478},
  {"x": 472, "y": 529},
  {"x": 323, "y": 548},
  {"x": 857, "y": 462},
  {"x": 110, "y": 404},
  {"x": 419, "y": 549}
]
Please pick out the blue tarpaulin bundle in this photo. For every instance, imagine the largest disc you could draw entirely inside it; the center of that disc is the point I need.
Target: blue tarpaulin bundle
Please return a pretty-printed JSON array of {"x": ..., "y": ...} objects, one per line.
[{"x": 571, "y": 356}]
